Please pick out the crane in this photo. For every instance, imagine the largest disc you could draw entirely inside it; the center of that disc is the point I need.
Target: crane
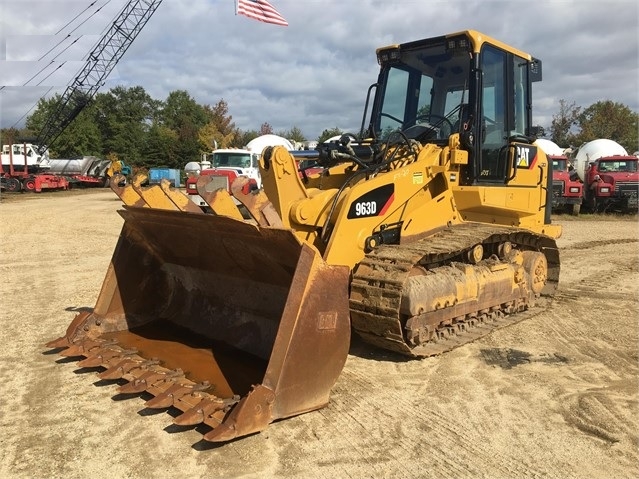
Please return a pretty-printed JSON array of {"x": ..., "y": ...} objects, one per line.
[{"x": 99, "y": 64}]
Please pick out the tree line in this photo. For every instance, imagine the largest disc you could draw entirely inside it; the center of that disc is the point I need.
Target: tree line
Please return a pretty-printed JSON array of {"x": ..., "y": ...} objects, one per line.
[
  {"x": 127, "y": 124},
  {"x": 573, "y": 125}
]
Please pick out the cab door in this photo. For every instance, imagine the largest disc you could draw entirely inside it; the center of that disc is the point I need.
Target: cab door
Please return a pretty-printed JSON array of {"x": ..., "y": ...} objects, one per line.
[{"x": 507, "y": 159}]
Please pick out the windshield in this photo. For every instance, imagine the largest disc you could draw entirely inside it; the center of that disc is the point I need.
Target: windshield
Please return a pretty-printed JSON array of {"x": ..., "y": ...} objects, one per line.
[
  {"x": 426, "y": 88},
  {"x": 618, "y": 166},
  {"x": 559, "y": 165},
  {"x": 232, "y": 159}
]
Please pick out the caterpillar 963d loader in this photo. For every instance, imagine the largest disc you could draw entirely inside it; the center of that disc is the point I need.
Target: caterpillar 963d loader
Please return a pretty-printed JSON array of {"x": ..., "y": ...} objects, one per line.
[{"x": 427, "y": 230}]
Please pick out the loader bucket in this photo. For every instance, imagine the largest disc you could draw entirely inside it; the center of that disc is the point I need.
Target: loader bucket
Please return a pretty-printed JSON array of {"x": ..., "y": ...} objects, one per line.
[{"x": 234, "y": 324}]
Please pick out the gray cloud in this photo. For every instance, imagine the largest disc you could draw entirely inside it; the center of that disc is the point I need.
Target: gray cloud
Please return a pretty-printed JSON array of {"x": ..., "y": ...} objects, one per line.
[{"x": 314, "y": 74}]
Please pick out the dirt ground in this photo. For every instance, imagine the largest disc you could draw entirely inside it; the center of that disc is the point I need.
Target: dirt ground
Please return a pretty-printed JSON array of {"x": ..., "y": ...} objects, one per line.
[{"x": 554, "y": 396}]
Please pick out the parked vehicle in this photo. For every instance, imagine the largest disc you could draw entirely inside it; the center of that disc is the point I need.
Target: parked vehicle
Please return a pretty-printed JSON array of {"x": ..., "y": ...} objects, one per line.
[
  {"x": 24, "y": 168},
  {"x": 590, "y": 151},
  {"x": 223, "y": 166},
  {"x": 613, "y": 184},
  {"x": 567, "y": 187},
  {"x": 610, "y": 176},
  {"x": 173, "y": 175}
]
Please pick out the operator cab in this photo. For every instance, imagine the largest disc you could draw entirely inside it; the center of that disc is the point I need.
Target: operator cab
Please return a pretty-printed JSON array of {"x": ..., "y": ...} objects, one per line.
[{"x": 467, "y": 84}]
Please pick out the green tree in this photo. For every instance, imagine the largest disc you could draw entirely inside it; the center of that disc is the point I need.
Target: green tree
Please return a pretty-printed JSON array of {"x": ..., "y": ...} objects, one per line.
[
  {"x": 186, "y": 117},
  {"x": 9, "y": 136},
  {"x": 124, "y": 116},
  {"x": 81, "y": 137},
  {"x": 161, "y": 148},
  {"x": 294, "y": 134},
  {"x": 242, "y": 138},
  {"x": 329, "y": 133},
  {"x": 220, "y": 128},
  {"x": 611, "y": 120}
]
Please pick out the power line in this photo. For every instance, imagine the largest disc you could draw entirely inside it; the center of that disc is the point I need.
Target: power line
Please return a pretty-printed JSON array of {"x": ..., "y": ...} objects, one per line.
[
  {"x": 30, "y": 109},
  {"x": 60, "y": 53},
  {"x": 74, "y": 18},
  {"x": 67, "y": 37}
]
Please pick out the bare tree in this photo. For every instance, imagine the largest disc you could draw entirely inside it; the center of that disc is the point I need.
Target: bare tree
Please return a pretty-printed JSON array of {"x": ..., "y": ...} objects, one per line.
[{"x": 562, "y": 123}]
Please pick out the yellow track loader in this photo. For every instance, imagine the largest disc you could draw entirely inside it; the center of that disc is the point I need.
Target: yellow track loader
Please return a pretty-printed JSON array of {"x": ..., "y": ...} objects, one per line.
[{"x": 424, "y": 231}]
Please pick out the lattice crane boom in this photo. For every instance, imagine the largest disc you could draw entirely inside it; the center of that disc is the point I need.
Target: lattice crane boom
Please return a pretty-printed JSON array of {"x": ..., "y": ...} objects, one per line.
[{"x": 99, "y": 64}]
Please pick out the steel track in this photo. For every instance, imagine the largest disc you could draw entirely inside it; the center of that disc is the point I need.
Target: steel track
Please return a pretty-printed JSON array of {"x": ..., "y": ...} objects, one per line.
[{"x": 379, "y": 280}]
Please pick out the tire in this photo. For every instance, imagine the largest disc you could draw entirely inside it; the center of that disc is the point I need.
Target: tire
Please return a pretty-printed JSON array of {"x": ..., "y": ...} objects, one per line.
[
  {"x": 575, "y": 210},
  {"x": 14, "y": 185},
  {"x": 594, "y": 205},
  {"x": 28, "y": 184}
]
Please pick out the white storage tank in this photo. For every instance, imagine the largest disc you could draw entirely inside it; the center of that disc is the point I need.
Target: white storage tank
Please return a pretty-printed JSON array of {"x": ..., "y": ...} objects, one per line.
[
  {"x": 592, "y": 150},
  {"x": 549, "y": 147}
]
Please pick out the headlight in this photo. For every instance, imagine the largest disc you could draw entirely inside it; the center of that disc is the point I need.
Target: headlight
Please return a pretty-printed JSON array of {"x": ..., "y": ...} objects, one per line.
[
  {"x": 574, "y": 189},
  {"x": 192, "y": 186},
  {"x": 605, "y": 189}
]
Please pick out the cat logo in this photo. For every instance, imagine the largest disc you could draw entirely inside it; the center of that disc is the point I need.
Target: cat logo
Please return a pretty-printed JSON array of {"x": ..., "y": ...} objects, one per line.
[{"x": 525, "y": 156}]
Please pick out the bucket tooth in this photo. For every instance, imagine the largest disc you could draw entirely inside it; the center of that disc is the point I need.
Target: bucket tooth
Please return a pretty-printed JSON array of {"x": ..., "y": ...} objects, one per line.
[
  {"x": 124, "y": 354},
  {"x": 169, "y": 397},
  {"x": 210, "y": 410},
  {"x": 151, "y": 379},
  {"x": 221, "y": 433},
  {"x": 142, "y": 368},
  {"x": 85, "y": 347},
  {"x": 121, "y": 368},
  {"x": 140, "y": 384},
  {"x": 216, "y": 418},
  {"x": 72, "y": 351},
  {"x": 169, "y": 378},
  {"x": 61, "y": 342},
  {"x": 251, "y": 414},
  {"x": 103, "y": 356},
  {"x": 76, "y": 325}
]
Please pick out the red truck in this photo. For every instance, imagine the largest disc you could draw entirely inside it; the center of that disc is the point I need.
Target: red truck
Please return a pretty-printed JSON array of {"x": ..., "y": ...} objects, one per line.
[
  {"x": 567, "y": 187},
  {"x": 612, "y": 184},
  {"x": 224, "y": 165}
]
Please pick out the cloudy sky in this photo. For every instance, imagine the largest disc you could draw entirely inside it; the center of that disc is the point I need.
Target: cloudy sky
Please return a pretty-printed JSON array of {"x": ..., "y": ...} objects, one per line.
[{"x": 313, "y": 74}]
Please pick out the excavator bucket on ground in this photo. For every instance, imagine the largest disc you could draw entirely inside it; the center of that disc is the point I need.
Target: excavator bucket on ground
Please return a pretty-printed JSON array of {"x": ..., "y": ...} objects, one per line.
[{"x": 233, "y": 323}]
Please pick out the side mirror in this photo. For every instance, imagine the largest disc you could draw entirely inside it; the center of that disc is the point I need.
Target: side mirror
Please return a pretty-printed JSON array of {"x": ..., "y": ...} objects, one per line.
[{"x": 534, "y": 70}]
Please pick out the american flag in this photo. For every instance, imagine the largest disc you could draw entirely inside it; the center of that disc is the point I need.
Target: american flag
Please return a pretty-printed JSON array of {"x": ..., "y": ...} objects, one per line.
[{"x": 260, "y": 10}]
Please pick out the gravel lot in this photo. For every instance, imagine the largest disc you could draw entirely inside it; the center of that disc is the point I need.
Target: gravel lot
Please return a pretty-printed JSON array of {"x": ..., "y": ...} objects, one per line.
[{"x": 554, "y": 396}]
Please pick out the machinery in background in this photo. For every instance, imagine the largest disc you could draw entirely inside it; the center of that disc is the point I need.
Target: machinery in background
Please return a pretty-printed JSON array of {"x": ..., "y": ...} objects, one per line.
[
  {"x": 567, "y": 187},
  {"x": 224, "y": 165},
  {"x": 610, "y": 176},
  {"x": 23, "y": 169},
  {"x": 100, "y": 62}
]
